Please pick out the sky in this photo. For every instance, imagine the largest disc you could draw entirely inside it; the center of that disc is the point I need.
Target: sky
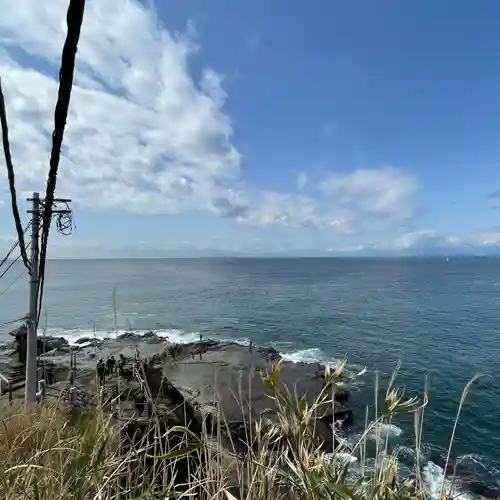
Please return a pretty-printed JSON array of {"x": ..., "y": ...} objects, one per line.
[{"x": 271, "y": 127}]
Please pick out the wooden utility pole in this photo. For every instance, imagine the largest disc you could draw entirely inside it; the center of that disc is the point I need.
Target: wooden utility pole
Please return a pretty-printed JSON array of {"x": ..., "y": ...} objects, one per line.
[
  {"x": 31, "y": 351},
  {"x": 32, "y": 320}
]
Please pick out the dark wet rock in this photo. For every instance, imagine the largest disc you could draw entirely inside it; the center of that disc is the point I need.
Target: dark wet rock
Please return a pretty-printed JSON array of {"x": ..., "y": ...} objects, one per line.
[
  {"x": 129, "y": 336},
  {"x": 51, "y": 343},
  {"x": 83, "y": 340},
  {"x": 339, "y": 413},
  {"x": 342, "y": 396},
  {"x": 269, "y": 353},
  {"x": 152, "y": 337}
]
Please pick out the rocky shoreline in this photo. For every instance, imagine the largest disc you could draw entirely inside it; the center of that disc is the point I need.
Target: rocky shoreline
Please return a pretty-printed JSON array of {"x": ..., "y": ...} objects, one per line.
[{"x": 203, "y": 377}]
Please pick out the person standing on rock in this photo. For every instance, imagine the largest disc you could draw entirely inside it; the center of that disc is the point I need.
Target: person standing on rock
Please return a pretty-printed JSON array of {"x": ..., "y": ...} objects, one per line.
[
  {"x": 109, "y": 366},
  {"x": 121, "y": 364},
  {"x": 101, "y": 371},
  {"x": 112, "y": 363}
]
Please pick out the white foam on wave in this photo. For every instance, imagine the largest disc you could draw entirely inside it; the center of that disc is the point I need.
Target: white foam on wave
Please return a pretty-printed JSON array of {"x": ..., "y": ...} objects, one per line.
[
  {"x": 406, "y": 452},
  {"x": 341, "y": 458},
  {"x": 385, "y": 431},
  {"x": 171, "y": 334},
  {"x": 479, "y": 460},
  {"x": 434, "y": 480},
  {"x": 313, "y": 355}
]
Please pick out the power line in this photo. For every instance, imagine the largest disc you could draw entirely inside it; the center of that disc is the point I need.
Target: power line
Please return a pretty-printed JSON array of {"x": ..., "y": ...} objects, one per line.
[
  {"x": 12, "y": 183},
  {"x": 12, "y": 284},
  {"x": 22, "y": 318},
  {"x": 11, "y": 264},
  {"x": 74, "y": 19},
  {"x": 13, "y": 247}
]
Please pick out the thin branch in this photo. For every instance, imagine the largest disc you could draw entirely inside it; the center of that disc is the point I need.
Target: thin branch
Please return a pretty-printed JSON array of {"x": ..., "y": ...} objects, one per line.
[{"x": 12, "y": 183}]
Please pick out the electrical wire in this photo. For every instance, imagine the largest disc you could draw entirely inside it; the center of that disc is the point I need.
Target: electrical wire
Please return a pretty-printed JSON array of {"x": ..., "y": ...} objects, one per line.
[
  {"x": 74, "y": 19},
  {"x": 22, "y": 318},
  {"x": 12, "y": 284},
  {"x": 13, "y": 247},
  {"x": 9, "y": 253},
  {"x": 11, "y": 177},
  {"x": 64, "y": 221},
  {"x": 11, "y": 264}
]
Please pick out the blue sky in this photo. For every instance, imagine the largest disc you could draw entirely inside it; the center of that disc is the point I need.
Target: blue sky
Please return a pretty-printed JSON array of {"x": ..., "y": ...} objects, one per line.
[{"x": 266, "y": 127}]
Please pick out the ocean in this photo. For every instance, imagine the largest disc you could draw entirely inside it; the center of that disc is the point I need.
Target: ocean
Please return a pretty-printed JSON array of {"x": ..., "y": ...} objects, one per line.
[{"x": 440, "y": 318}]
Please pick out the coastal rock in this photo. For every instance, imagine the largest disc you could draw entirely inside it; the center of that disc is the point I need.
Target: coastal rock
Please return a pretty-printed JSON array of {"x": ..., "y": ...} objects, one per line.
[
  {"x": 83, "y": 340},
  {"x": 338, "y": 414},
  {"x": 160, "y": 386},
  {"x": 51, "y": 343},
  {"x": 230, "y": 374},
  {"x": 44, "y": 344},
  {"x": 152, "y": 338}
]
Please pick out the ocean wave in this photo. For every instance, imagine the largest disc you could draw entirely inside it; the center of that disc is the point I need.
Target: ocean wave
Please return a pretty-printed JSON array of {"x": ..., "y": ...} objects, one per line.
[
  {"x": 407, "y": 452},
  {"x": 434, "y": 480},
  {"x": 385, "y": 431},
  {"x": 172, "y": 334},
  {"x": 480, "y": 461},
  {"x": 340, "y": 458},
  {"x": 313, "y": 355}
]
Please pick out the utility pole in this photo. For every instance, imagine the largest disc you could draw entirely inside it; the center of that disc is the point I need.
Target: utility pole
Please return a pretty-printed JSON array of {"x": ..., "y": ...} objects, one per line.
[
  {"x": 31, "y": 382},
  {"x": 36, "y": 212}
]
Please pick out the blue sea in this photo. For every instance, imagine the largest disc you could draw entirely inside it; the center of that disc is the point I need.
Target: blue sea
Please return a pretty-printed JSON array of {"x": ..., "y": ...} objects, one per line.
[{"x": 440, "y": 318}]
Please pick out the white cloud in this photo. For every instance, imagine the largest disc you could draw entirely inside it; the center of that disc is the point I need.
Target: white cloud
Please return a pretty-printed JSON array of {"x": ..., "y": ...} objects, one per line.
[
  {"x": 348, "y": 249},
  {"x": 387, "y": 191},
  {"x": 140, "y": 134},
  {"x": 144, "y": 136},
  {"x": 430, "y": 238},
  {"x": 366, "y": 199},
  {"x": 491, "y": 238},
  {"x": 296, "y": 211},
  {"x": 422, "y": 237}
]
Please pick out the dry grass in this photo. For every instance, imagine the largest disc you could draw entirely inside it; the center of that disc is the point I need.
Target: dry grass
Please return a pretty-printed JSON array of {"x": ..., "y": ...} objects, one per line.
[{"x": 50, "y": 454}]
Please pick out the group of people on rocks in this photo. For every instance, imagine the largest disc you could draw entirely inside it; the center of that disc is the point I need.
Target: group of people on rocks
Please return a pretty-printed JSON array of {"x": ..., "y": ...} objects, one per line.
[{"x": 109, "y": 367}]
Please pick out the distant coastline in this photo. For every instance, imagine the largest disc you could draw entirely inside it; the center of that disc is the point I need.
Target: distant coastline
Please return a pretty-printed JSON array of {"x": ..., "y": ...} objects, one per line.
[{"x": 422, "y": 256}]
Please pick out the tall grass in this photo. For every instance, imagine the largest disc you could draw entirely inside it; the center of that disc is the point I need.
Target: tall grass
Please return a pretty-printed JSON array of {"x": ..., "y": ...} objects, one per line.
[{"x": 51, "y": 453}]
